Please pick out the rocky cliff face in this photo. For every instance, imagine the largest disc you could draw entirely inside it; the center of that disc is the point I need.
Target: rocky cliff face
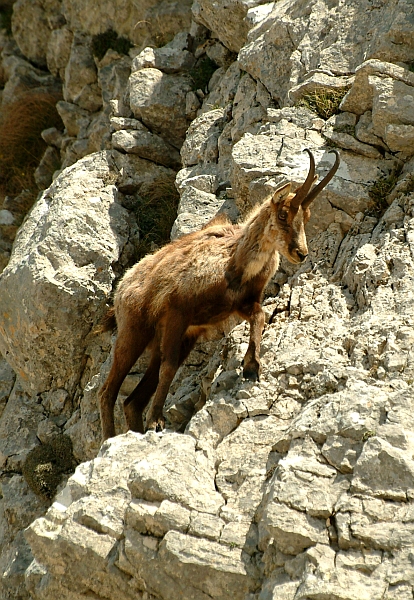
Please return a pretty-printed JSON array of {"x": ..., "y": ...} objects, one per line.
[{"x": 295, "y": 488}]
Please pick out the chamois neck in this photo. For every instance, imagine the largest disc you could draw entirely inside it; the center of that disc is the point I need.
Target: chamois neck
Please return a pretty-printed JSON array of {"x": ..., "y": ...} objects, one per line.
[{"x": 258, "y": 245}]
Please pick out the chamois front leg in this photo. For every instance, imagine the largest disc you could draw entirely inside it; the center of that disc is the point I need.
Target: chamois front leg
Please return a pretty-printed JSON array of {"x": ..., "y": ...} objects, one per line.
[{"x": 251, "y": 362}]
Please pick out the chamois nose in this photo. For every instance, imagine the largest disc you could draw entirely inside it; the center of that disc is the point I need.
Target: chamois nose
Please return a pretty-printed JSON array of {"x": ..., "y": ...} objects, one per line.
[{"x": 301, "y": 256}]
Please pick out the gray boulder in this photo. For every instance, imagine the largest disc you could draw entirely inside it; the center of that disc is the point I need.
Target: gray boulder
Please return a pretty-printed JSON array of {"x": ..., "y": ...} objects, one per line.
[
  {"x": 151, "y": 22},
  {"x": 227, "y": 20},
  {"x": 32, "y": 24},
  {"x": 81, "y": 80},
  {"x": 64, "y": 256},
  {"x": 158, "y": 100}
]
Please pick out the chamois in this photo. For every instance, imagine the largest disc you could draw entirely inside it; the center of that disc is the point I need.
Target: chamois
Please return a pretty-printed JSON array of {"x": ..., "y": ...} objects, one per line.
[{"x": 169, "y": 299}]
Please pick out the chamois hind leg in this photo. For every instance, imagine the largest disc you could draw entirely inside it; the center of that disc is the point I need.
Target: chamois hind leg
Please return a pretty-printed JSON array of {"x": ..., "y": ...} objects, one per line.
[
  {"x": 172, "y": 330},
  {"x": 130, "y": 344},
  {"x": 136, "y": 402},
  {"x": 138, "y": 399},
  {"x": 251, "y": 361}
]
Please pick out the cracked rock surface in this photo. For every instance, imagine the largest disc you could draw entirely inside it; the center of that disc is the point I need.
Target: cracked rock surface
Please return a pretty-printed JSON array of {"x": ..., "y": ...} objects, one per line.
[{"x": 297, "y": 486}]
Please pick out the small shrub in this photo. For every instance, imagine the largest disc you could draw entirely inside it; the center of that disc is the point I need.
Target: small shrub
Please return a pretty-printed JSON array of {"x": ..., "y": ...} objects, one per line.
[
  {"x": 380, "y": 189},
  {"x": 156, "y": 211},
  {"x": 21, "y": 145},
  {"x": 323, "y": 101},
  {"x": 109, "y": 39},
  {"x": 45, "y": 465},
  {"x": 201, "y": 73}
]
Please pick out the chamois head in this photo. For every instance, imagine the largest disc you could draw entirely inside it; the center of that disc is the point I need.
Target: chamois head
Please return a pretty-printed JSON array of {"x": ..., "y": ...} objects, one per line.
[{"x": 292, "y": 211}]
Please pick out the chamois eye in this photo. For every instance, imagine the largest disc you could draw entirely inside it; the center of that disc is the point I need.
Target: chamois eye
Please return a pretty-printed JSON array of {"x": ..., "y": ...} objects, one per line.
[{"x": 282, "y": 216}]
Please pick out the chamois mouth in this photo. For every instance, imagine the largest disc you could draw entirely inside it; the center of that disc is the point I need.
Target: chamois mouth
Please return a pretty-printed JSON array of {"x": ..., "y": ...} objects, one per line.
[{"x": 297, "y": 257}]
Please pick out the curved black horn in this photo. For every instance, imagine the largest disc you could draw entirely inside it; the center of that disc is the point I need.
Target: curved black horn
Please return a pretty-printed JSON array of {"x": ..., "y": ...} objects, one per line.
[
  {"x": 303, "y": 191},
  {"x": 318, "y": 188}
]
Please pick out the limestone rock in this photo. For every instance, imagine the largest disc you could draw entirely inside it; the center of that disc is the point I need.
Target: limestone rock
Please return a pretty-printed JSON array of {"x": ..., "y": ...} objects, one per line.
[
  {"x": 384, "y": 471},
  {"x": 201, "y": 142},
  {"x": 113, "y": 81},
  {"x": 225, "y": 19},
  {"x": 292, "y": 531},
  {"x": 167, "y": 19},
  {"x": 359, "y": 99},
  {"x": 58, "y": 51},
  {"x": 285, "y": 46},
  {"x": 162, "y": 475},
  {"x": 364, "y": 131},
  {"x": 68, "y": 271},
  {"x": 15, "y": 559},
  {"x": 31, "y": 27},
  {"x": 158, "y": 100},
  {"x": 225, "y": 89},
  {"x": 319, "y": 81},
  {"x": 7, "y": 379},
  {"x": 339, "y": 129},
  {"x": 49, "y": 163},
  {"x": 89, "y": 529},
  {"x": 147, "y": 145},
  {"x": 196, "y": 208},
  {"x": 81, "y": 86},
  {"x": 263, "y": 161},
  {"x": 75, "y": 119},
  {"x": 393, "y": 102},
  {"x": 22, "y": 77},
  {"x": 343, "y": 585},
  {"x": 143, "y": 23},
  {"x": 135, "y": 172},
  {"x": 52, "y": 137},
  {"x": 168, "y": 60},
  {"x": 400, "y": 138},
  {"x": 18, "y": 428}
]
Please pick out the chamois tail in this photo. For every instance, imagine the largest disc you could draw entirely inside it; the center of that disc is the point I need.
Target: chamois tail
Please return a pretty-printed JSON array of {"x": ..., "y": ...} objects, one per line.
[{"x": 107, "y": 323}]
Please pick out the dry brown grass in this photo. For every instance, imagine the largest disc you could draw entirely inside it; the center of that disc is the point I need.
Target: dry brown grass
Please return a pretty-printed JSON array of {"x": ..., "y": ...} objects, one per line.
[{"x": 21, "y": 145}]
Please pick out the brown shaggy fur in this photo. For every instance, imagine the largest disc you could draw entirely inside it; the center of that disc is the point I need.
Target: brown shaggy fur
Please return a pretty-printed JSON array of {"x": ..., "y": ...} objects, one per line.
[{"x": 171, "y": 298}]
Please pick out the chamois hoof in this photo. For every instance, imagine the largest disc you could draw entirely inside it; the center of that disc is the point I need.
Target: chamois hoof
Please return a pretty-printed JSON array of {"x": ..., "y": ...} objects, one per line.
[
  {"x": 251, "y": 373},
  {"x": 134, "y": 420},
  {"x": 154, "y": 422}
]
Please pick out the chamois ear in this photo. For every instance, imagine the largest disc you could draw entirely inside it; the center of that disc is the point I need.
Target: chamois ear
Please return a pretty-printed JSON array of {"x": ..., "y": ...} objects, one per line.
[{"x": 281, "y": 193}]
